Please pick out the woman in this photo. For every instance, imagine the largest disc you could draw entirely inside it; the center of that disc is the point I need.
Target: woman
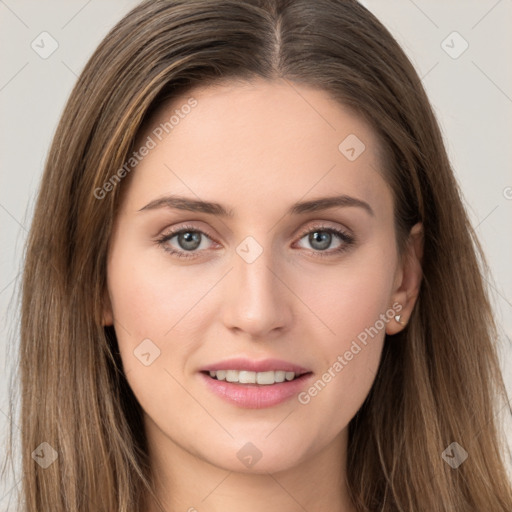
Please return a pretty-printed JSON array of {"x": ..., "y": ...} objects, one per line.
[{"x": 250, "y": 282}]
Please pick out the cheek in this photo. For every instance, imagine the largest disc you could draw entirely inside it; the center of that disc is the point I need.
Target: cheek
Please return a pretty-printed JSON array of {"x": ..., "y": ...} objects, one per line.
[
  {"x": 154, "y": 318},
  {"x": 148, "y": 296},
  {"x": 349, "y": 298},
  {"x": 152, "y": 303},
  {"x": 355, "y": 306}
]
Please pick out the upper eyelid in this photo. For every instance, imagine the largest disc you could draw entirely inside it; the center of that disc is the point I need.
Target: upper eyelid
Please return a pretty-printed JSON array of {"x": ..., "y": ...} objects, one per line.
[{"x": 321, "y": 225}]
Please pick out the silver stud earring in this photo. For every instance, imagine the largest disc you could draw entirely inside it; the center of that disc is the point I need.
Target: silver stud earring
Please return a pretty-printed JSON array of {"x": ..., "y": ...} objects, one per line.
[{"x": 398, "y": 319}]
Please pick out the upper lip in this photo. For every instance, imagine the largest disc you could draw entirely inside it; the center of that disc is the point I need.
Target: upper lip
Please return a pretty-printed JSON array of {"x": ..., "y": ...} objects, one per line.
[{"x": 263, "y": 365}]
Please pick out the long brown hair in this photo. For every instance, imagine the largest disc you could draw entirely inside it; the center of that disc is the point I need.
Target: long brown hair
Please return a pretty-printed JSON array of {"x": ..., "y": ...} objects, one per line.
[{"x": 439, "y": 380}]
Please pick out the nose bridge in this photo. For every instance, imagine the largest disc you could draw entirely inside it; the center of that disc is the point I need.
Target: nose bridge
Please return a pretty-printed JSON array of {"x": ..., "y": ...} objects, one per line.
[{"x": 256, "y": 300}]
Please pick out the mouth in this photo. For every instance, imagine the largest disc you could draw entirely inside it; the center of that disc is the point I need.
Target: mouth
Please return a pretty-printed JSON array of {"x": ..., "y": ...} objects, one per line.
[
  {"x": 255, "y": 384},
  {"x": 267, "y": 378},
  {"x": 255, "y": 390}
]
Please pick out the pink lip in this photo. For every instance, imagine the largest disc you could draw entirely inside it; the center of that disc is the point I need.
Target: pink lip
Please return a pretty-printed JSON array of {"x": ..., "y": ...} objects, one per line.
[
  {"x": 254, "y": 396},
  {"x": 251, "y": 365}
]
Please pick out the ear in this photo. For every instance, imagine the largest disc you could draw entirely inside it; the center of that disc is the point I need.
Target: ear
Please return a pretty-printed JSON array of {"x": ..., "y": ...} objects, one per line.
[
  {"x": 407, "y": 280},
  {"x": 108, "y": 316}
]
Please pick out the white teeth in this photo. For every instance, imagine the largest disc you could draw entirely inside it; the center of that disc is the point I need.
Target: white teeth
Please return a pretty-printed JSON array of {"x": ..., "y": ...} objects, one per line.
[
  {"x": 265, "y": 378},
  {"x": 279, "y": 376},
  {"x": 247, "y": 377},
  {"x": 232, "y": 375}
]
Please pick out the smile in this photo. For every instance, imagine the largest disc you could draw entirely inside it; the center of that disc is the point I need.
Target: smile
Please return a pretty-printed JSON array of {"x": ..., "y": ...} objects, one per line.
[{"x": 255, "y": 390}]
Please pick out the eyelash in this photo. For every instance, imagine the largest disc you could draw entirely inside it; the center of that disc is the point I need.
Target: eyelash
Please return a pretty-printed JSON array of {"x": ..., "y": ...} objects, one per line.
[{"x": 348, "y": 240}]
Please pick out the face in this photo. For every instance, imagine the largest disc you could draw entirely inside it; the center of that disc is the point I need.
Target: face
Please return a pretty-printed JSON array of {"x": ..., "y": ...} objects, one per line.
[{"x": 270, "y": 280}]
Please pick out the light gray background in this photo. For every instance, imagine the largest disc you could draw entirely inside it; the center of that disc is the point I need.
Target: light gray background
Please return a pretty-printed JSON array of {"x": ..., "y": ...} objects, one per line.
[{"x": 471, "y": 95}]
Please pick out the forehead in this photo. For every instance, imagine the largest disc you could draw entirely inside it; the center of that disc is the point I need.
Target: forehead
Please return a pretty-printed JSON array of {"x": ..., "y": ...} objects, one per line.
[{"x": 242, "y": 140}]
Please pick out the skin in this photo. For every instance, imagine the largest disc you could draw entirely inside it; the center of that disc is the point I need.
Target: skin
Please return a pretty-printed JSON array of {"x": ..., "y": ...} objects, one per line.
[{"x": 256, "y": 149}]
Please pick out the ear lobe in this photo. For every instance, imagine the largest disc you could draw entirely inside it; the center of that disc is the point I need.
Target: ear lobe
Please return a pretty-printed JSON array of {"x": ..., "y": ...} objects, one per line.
[{"x": 411, "y": 274}]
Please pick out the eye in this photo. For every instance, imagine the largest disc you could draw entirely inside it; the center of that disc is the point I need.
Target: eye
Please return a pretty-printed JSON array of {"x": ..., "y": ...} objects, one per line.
[
  {"x": 188, "y": 240},
  {"x": 320, "y": 238}
]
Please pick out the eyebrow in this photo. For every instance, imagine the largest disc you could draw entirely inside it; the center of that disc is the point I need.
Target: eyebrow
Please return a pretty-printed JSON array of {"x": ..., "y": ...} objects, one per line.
[{"x": 314, "y": 205}]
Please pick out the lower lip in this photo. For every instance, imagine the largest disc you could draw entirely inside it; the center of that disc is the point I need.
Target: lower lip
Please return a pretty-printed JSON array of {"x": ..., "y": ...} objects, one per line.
[{"x": 255, "y": 396}]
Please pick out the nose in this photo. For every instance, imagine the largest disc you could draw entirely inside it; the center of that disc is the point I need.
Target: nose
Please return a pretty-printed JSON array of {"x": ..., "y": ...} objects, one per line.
[{"x": 256, "y": 299}]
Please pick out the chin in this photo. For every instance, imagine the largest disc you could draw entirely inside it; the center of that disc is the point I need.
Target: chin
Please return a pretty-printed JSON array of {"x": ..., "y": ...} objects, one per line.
[{"x": 258, "y": 457}]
